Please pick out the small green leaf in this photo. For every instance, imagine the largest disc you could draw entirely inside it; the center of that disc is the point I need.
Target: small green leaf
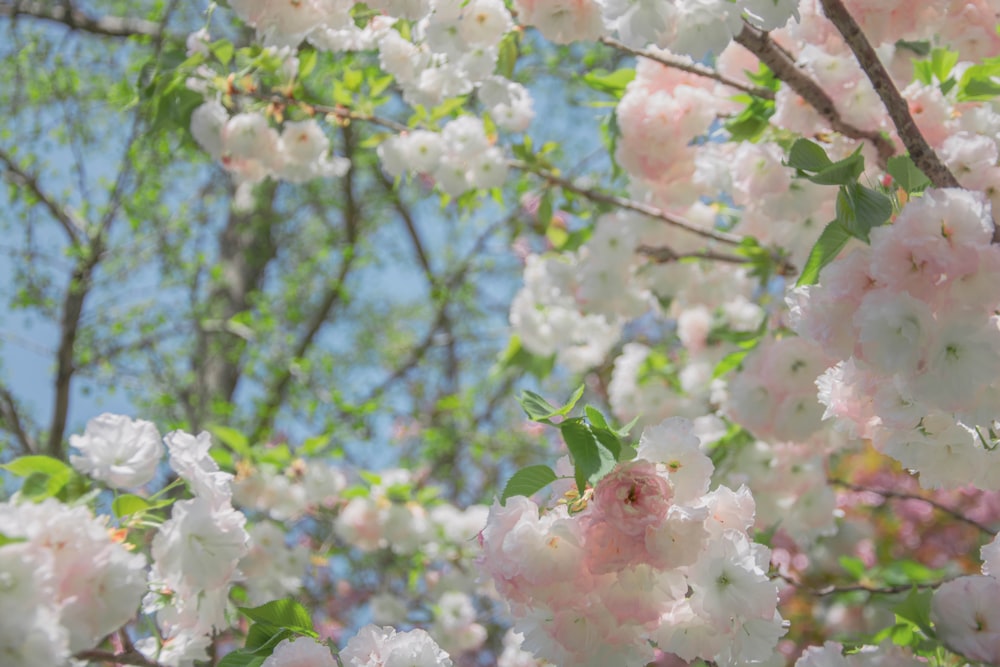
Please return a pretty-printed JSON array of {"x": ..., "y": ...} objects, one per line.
[
  {"x": 223, "y": 50},
  {"x": 44, "y": 475},
  {"x": 808, "y": 156},
  {"x": 231, "y": 438},
  {"x": 528, "y": 481},
  {"x": 860, "y": 208},
  {"x": 129, "y": 504},
  {"x": 906, "y": 174},
  {"x": 942, "y": 62},
  {"x": 842, "y": 172},
  {"x": 853, "y": 566},
  {"x": 286, "y": 613},
  {"x": 829, "y": 244},
  {"x": 595, "y": 417},
  {"x": 540, "y": 410},
  {"x": 612, "y": 83},
  {"x": 729, "y": 362},
  {"x": 591, "y": 459},
  {"x": 916, "y": 608},
  {"x": 307, "y": 61},
  {"x": 241, "y": 658}
]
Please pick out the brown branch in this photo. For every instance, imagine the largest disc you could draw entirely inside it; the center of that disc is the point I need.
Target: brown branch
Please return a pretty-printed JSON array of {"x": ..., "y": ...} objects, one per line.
[
  {"x": 71, "y": 17},
  {"x": 691, "y": 68},
  {"x": 352, "y": 220},
  {"x": 129, "y": 658},
  {"x": 71, "y": 223},
  {"x": 834, "y": 589},
  {"x": 783, "y": 66},
  {"x": 899, "y": 111},
  {"x": 662, "y": 255},
  {"x": 627, "y": 204},
  {"x": 10, "y": 420},
  {"x": 899, "y": 495}
]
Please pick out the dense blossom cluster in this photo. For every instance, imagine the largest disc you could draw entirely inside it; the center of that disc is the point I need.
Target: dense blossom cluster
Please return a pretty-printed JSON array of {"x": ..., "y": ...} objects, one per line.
[
  {"x": 653, "y": 558},
  {"x": 912, "y": 319}
]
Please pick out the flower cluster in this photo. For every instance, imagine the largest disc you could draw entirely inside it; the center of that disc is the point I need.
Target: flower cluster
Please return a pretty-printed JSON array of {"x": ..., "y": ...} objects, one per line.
[
  {"x": 653, "y": 558},
  {"x": 912, "y": 319},
  {"x": 66, "y": 581}
]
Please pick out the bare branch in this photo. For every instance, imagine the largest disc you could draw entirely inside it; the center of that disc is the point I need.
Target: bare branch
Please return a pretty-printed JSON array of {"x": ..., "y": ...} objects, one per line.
[
  {"x": 628, "y": 204},
  {"x": 662, "y": 255},
  {"x": 10, "y": 420},
  {"x": 71, "y": 17},
  {"x": 899, "y": 495},
  {"x": 71, "y": 223},
  {"x": 128, "y": 658},
  {"x": 783, "y": 65},
  {"x": 691, "y": 68},
  {"x": 899, "y": 111}
]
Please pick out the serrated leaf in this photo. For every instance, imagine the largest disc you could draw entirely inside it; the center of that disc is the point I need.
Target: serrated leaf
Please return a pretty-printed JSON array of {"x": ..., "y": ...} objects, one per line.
[
  {"x": 808, "y": 156},
  {"x": 528, "y": 481},
  {"x": 829, "y": 244},
  {"x": 44, "y": 475},
  {"x": 591, "y": 459},
  {"x": 906, "y": 174},
  {"x": 286, "y": 613}
]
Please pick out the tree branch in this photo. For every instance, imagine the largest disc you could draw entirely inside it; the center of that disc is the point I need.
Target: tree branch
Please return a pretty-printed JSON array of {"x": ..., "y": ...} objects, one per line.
[
  {"x": 899, "y": 111},
  {"x": 71, "y": 223},
  {"x": 662, "y": 255},
  {"x": 691, "y": 68},
  {"x": 10, "y": 420},
  {"x": 899, "y": 495},
  {"x": 129, "y": 658},
  {"x": 71, "y": 17},
  {"x": 781, "y": 63},
  {"x": 352, "y": 220}
]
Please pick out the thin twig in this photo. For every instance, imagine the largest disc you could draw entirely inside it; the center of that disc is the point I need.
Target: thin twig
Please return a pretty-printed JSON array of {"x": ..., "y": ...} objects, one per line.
[
  {"x": 74, "y": 19},
  {"x": 628, "y": 204},
  {"x": 71, "y": 223},
  {"x": 662, "y": 255},
  {"x": 834, "y": 589},
  {"x": 783, "y": 66},
  {"x": 129, "y": 658},
  {"x": 899, "y": 111},
  {"x": 899, "y": 495},
  {"x": 691, "y": 68}
]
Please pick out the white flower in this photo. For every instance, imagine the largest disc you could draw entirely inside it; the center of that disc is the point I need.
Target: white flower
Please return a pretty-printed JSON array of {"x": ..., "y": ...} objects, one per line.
[
  {"x": 190, "y": 460},
  {"x": 384, "y": 647},
  {"x": 301, "y": 652},
  {"x": 117, "y": 450}
]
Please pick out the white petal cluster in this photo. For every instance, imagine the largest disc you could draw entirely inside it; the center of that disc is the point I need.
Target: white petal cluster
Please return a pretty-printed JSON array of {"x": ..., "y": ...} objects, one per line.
[
  {"x": 251, "y": 150},
  {"x": 653, "y": 559},
  {"x": 912, "y": 319},
  {"x": 119, "y": 451},
  {"x": 195, "y": 555},
  {"x": 460, "y": 158},
  {"x": 375, "y": 646},
  {"x": 64, "y": 586}
]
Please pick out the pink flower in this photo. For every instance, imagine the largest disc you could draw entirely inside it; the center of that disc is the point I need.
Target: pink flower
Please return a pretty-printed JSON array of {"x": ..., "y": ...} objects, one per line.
[{"x": 633, "y": 496}]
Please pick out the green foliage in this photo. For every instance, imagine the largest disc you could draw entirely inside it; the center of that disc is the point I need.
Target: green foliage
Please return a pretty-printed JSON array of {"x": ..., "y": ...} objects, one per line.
[
  {"x": 540, "y": 410},
  {"x": 980, "y": 82},
  {"x": 528, "y": 481},
  {"x": 906, "y": 174},
  {"x": 609, "y": 83},
  {"x": 833, "y": 239},
  {"x": 44, "y": 476}
]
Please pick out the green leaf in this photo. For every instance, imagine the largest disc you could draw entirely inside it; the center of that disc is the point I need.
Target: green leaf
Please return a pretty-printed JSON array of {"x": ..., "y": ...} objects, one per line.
[
  {"x": 906, "y": 174},
  {"x": 829, "y": 244},
  {"x": 980, "y": 83},
  {"x": 528, "y": 481},
  {"x": 5, "y": 540},
  {"x": 842, "y": 172},
  {"x": 729, "y": 362},
  {"x": 508, "y": 55},
  {"x": 129, "y": 504},
  {"x": 286, "y": 613},
  {"x": 853, "y": 566},
  {"x": 942, "y": 62},
  {"x": 44, "y": 475},
  {"x": 916, "y": 608},
  {"x": 232, "y": 438},
  {"x": 263, "y": 637},
  {"x": 860, "y": 208},
  {"x": 921, "y": 48},
  {"x": 223, "y": 50},
  {"x": 241, "y": 658},
  {"x": 591, "y": 459},
  {"x": 540, "y": 410},
  {"x": 595, "y": 417},
  {"x": 307, "y": 61},
  {"x": 808, "y": 156},
  {"x": 612, "y": 83}
]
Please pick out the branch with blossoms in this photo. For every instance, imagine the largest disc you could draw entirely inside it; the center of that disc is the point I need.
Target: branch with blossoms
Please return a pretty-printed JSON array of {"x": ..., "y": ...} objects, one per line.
[
  {"x": 674, "y": 62},
  {"x": 782, "y": 64}
]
